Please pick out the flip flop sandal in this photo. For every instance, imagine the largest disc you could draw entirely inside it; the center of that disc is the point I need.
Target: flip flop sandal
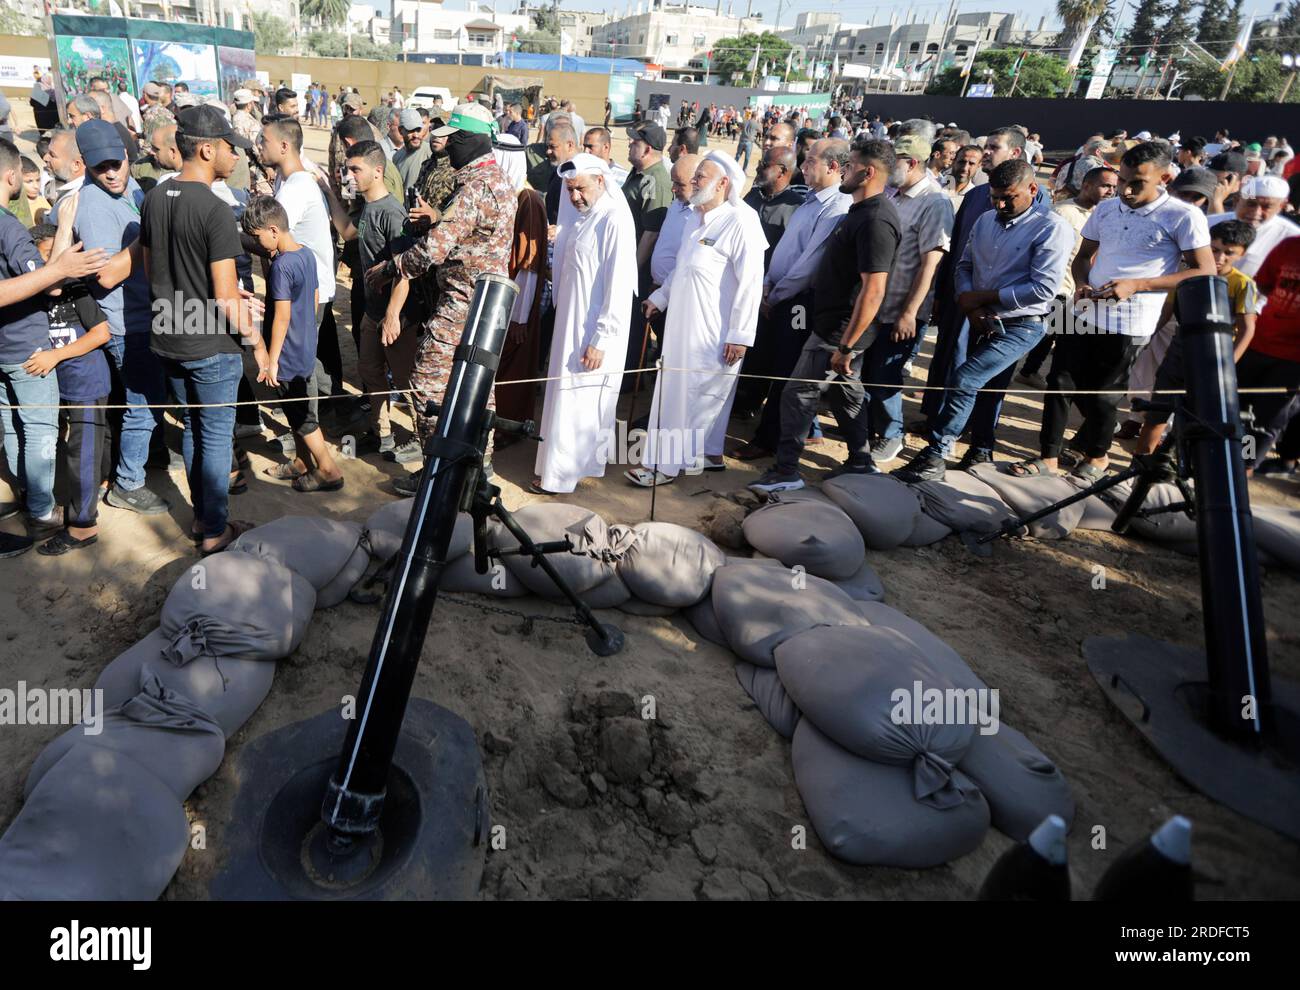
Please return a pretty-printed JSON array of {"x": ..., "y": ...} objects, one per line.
[
  {"x": 1030, "y": 469},
  {"x": 237, "y": 529},
  {"x": 537, "y": 489},
  {"x": 62, "y": 542},
  {"x": 282, "y": 472},
  {"x": 238, "y": 484},
  {"x": 311, "y": 482},
  {"x": 1088, "y": 472},
  {"x": 648, "y": 479},
  {"x": 711, "y": 466}
]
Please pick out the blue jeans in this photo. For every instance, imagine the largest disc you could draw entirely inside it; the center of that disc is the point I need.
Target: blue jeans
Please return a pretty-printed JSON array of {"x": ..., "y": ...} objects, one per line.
[
  {"x": 742, "y": 154},
  {"x": 31, "y": 434},
  {"x": 138, "y": 381},
  {"x": 884, "y": 364},
  {"x": 987, "y": 357},
  {"x": 209, "y": 433}
]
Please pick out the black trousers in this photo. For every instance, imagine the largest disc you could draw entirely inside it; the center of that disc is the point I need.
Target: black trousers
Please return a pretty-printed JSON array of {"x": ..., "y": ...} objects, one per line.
[
  {"x": 1272, "y": 412},
  {"x": 782, "y": 354},
  {"x": 1087, "y": 361},
  {"x": 85, "y": 438}
]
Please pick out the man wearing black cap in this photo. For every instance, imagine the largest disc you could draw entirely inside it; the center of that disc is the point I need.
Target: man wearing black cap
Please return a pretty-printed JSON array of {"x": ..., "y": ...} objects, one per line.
[
  {"x": 190, "y": 243},
  {"x": 1230, "y": 167},
  {"x": 1195, "y": 185},
  {"x": 649, "y": 192},
  {"x": 108, "y": 216}
]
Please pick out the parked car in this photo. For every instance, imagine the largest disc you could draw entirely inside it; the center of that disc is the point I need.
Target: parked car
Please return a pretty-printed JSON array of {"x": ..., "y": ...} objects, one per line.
[{"x": 423, "y": 97}]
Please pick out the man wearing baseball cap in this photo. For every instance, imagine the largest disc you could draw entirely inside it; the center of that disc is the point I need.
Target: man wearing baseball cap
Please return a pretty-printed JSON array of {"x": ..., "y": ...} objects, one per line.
[
  {"x": 415, "y": 149},
  {"x": 649, "y": 192},
  {"x": 472, "y": 238},
  {"x": 108, "y": 216},
  {"x": 1259, "y": 203},
  {"x": 1195, "y": 185},
  {"x": 1230, "y": 167}
]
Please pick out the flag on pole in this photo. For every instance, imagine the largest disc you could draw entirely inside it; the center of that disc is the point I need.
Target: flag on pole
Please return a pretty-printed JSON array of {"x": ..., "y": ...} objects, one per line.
[
  {"x": 835, "y": 66},
  {"x": 1238, "y": 48},
  {"x": 753, "y": 62},
  {"x": 970, "y": 61},
  {"x": 1020, "y": 60},
  {"x": 1080, "y": 43},
  {"x": 788, "y": 57}
]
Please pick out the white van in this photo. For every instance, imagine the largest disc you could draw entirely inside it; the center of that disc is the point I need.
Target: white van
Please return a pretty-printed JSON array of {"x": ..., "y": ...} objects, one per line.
[{"x": 423, "y": 97}]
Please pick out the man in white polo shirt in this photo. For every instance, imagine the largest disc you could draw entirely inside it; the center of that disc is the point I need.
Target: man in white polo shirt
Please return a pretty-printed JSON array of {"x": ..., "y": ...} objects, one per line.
[
  {"x": 1127, "y": 263},
  {"x": 1260, "y": 204}
]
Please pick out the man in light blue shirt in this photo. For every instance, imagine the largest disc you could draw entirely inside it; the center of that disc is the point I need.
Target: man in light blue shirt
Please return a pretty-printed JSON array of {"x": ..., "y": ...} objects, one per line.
[
  {"x": 108, "y": 217},
  {"x": 1006, "y": 280},
  {"x": 787, "y": 302},
  {"x": 663, "y": 259}
]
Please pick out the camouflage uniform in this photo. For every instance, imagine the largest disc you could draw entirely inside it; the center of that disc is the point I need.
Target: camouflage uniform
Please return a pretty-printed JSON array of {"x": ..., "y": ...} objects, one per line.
[
  {"x": 246, "y": 126},
  {"x": 473, "y": 238},
  {"x": 437, "y": 180},
  {"x": 154, "y": 116}
]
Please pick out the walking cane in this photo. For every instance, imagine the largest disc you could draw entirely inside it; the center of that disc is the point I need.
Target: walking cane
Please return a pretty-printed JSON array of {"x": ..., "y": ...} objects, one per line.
[{"x": 636, "y": 386}]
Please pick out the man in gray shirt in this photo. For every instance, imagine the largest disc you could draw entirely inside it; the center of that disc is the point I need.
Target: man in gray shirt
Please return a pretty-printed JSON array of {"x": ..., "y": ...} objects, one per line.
[
  {"x": 1005, "y": 281},
  {"x": 926, "y": 214},
  {"x": 749, "y": 131},
  {"x": 415, "y": 147}
]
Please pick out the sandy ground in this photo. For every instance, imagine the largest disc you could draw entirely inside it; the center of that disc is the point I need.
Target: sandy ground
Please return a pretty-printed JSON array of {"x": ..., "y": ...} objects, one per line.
[{"x": 712, "y": 815}]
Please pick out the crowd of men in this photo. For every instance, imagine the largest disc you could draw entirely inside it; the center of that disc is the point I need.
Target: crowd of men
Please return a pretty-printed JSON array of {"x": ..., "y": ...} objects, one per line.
[{"x": 128, "y": 254}]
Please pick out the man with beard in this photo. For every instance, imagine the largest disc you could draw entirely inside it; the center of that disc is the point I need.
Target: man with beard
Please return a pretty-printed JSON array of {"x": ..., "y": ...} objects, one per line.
[
  {"x": 415, "y": 149},
  {"x": 597, "y": 254},
  {"x": 1006, "y": 283},
  {"x": 471, "y": 238},
  {"x": 64, "y": 162},
  {"x": 779, "y": 136},
  {"x": 1259, "y": 203},
  {"x": 711, "y": 306},
  {"x": 108, "y": 216},
  {"x": 848, "y": 289}
]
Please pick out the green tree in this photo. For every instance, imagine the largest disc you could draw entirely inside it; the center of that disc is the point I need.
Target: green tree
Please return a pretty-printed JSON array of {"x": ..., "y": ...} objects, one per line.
[
  {"x": 12, "y": 22},
  {"x": 325, "y": 12},
  {"x": 1177, "y": 28},
  {"x": 1077, "y": 15},
  {"x": 271, "y": 34},
  {"x": 1142, "y": 32},
  {"x": 732, "y": 55},
  {"x": 1287, "y": 37},
  {"x": 330, "y": 44},
  {"x": 1211, "y": 27},
  {"x": 1258, "y": 79},
  {"x": 1040, "y": 75},
  {"x": 543, "y": 40}
]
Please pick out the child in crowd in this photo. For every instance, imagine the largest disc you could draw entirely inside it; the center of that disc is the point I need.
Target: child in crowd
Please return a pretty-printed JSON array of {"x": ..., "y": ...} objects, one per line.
[
  {"x": 293, "y": 371},
  {"x": 1229, "y": 241},
  {"x": 37, "y": 204},
  {"x": 78, "y": 333},
  {"x": 389, "y": 334}
]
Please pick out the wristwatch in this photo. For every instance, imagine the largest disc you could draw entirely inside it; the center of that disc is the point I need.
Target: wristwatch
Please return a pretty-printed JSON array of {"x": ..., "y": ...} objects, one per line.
[{"x": 844, "y": 349}]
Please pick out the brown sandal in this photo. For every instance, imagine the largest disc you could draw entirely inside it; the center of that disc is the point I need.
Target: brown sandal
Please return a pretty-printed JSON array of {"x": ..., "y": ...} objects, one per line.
[
  {"x": 282, "y": 472},
  {"x": 237, "y": 528}
]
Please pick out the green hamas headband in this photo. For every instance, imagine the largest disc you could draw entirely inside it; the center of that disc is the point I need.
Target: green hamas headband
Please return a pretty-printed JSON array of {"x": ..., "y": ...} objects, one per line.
[{"x": 472, "y": 124}]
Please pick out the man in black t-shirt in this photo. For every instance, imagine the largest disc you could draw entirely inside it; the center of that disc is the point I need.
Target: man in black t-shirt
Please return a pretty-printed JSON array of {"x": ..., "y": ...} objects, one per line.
[
  {"x": 848, "y": 289},
  {"x": 190, "y": 243}
]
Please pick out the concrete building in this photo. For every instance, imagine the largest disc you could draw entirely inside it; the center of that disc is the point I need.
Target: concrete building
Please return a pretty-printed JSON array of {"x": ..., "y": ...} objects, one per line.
[
  {"x": 672, "y": 35},
  {"x": 365, "y": 20},
  {"x": 425, "y": 26},
  {"x": 915, "y": 40}
]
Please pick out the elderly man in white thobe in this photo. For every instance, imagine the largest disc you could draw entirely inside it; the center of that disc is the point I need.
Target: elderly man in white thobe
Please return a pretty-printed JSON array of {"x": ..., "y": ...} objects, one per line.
[
  {"x": 710, "y": 304},
  {"x": 595, "y": 278}
]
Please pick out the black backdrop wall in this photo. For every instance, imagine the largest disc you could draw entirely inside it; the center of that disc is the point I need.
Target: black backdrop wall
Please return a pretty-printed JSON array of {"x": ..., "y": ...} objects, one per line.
[{"x": 1063, "y": 124}]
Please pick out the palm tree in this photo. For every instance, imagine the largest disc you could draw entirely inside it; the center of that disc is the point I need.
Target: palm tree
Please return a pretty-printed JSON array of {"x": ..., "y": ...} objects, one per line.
[
  {"x": 326, "y": 12},
  {"x": 1077, "y": 15}
]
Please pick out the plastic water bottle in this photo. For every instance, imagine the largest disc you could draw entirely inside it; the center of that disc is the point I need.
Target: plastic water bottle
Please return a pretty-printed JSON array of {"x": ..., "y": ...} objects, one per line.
[
  {"x": 1158, "y": 870},
  {"x": 1034, "y": 870}
]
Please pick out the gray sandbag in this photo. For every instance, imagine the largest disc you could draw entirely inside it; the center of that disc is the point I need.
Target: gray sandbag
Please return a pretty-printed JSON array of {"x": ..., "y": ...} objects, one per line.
[
  {"x": 337, "y": 590},
  {"x": 865, "y": 812},
  {"x": 764, "y": 686},
  {"x": 1097, "y": 513},
  {"x": 98, "y": 827},
  {"x": 1277, "y": 535},
  {"x": 939, "y": 653},
  {"x": 1020, "y": 784},
  {"x": 809, "y": 493},
  {"x": 882, "y": 507},
  {"x": 926, "y": 531},
  {"x": 635, "y": 606},
  {"x": 758, "y": 608},
  {"x": 315, "y": 547},
  {"x": 1029, "y": 495},
  {"x": 591, "y": 562},
  {"x": 499, "y": 582},
  {"x": 701, "y": 617},
  {"x": 758, "y": 558},
  {"x": 1167, "y": 527},
  {"x": 164, "y": 732},
  {"x": 820, "y": 538},
  {"x": 387, "y": 525},
  {"x": 609, "y": 594},
  {"x": 864, "y": 586},
  {"x": 846, "y": 680},
  {"x": 963, "y": 503},
  {"x": 226, "y": 689},
  {"x": 236, "y": 605},
  {"x": 669, "y": 564}
]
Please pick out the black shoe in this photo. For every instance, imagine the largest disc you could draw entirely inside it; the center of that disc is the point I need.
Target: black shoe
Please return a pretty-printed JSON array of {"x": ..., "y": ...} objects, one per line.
[
  {"x": 139, "y": 500},
  {"x": 40, "y": 529},
  {"x": 843, "y": 469},
  {"x": 8, "y": 509},
  {"x": 407, "y": 484},
  {"x": 973, "y": 456},
  {"x": 13, "y": 546},
  {"x": 925, "y": 466}
]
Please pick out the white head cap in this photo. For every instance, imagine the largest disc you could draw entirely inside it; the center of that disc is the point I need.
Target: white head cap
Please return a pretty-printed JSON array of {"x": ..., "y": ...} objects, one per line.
[
  {"x": 732, "y": 170},
  {"x": 583, "y": 164},
  {"x": 1272, "y": 186}
]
